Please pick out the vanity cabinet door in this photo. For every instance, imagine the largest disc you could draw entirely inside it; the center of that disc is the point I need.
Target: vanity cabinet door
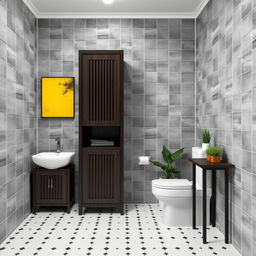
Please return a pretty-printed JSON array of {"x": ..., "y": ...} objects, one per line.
[
  {"x": 101, "y": 176},
  {"x": 51, "y": 187}
]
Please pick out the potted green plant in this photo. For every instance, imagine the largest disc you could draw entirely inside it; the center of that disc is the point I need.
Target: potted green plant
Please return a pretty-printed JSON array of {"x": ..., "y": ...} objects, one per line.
[
  {"x": 214, "y": 154},
  {"x": 206, "y": 139},
  {"x": 169, "y": 159}
]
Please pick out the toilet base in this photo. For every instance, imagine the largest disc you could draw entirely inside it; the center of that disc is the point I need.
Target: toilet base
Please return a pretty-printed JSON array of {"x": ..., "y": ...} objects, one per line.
[
  {"x": 161, "y": 205},
  {"x": 177, "y": 212}
]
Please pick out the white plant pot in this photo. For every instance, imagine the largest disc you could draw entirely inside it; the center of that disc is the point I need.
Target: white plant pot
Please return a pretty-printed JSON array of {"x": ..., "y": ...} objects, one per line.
[{"x": 205, "y": 146}]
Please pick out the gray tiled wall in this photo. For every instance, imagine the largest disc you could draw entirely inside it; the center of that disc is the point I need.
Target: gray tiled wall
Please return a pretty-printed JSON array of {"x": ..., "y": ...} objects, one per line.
[
  {"x": 226, "y": 104},
  {"x": 158, "y": 90},
  {"x": 18, "y": 52}
]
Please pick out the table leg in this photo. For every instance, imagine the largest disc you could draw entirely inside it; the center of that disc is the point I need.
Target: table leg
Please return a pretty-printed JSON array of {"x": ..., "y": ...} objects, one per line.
[
  {"x": 213, "y": 198},
  {"x": 204, "y": 205},
  {"x": 194, "y": 197},
  {"x": 226, "y": 206}
]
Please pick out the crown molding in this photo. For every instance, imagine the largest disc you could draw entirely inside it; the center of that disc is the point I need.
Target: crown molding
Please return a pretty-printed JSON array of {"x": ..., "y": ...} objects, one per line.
[
  {"x": 32, "y": 8},
  {"x": 116, "y": 15},
  {"x": 200, "y": 7}
]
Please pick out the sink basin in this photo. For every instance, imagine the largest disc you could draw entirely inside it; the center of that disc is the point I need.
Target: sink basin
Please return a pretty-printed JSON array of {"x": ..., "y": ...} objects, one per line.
[{"x": 53, "y": 160}]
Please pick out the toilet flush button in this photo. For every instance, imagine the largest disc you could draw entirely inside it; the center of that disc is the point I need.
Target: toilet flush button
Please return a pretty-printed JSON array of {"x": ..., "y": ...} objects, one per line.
[{"x": 144, "y": 160}]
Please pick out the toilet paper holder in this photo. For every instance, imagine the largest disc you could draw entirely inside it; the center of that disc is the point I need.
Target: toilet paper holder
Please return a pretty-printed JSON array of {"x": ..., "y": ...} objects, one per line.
[{"x": 144, "y": 160}]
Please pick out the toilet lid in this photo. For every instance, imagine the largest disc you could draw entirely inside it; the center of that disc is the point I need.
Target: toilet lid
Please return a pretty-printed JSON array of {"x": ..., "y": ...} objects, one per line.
[{"x": 182, "y": 184}]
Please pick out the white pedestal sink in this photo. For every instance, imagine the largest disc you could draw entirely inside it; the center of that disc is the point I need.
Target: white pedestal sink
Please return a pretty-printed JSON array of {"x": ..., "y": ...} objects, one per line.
[{"x": 53, "y": 160}]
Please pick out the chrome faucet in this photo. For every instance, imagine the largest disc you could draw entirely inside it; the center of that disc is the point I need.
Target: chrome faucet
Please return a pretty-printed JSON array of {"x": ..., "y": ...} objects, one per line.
[{"x": 59, "y": 148}]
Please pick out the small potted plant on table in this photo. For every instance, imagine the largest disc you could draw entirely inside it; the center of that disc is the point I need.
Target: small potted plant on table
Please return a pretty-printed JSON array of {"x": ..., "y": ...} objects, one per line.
[
  {"x": 206, "y": 138},
  {"x": 214, "y": 154}
]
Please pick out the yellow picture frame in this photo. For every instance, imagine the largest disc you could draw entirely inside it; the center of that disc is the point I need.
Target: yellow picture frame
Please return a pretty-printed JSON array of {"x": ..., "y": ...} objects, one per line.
[{"x": 57, "y": 97}]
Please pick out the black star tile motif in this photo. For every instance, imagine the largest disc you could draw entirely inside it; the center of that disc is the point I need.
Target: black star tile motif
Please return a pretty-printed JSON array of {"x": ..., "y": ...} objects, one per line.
[{"x": 103, "y": 232}]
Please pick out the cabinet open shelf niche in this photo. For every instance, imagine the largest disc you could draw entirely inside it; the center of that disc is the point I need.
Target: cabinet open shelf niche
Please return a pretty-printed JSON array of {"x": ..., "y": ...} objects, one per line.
[
  {"x": 110, "y": 133},
  {"x": 101, "y": 118}
]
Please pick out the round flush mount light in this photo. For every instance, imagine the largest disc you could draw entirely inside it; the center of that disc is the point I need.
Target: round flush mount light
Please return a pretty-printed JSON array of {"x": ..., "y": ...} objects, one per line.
[{"x": 108, "y": 1}]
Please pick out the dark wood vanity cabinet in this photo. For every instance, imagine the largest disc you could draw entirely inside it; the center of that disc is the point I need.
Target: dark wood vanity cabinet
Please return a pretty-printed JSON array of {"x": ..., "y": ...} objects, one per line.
[
  {"x": 101, "y": 118},
  {"x": 52, "y": 187}
]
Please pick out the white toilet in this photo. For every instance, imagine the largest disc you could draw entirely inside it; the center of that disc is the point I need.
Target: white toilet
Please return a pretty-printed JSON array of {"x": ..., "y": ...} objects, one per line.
[{"x": 175, "y": 196}]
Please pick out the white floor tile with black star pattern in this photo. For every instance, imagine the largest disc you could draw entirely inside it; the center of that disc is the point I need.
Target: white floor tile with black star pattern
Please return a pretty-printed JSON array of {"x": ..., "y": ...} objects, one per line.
[{"x": 102, "y": 232}]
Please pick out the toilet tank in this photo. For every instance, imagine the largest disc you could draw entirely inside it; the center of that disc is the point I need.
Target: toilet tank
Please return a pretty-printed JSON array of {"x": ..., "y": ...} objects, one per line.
[{"x": 197, "y": 152}]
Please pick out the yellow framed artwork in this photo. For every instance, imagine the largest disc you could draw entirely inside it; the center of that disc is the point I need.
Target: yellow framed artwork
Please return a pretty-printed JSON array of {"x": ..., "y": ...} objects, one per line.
[{"x": 58, "y": 96}]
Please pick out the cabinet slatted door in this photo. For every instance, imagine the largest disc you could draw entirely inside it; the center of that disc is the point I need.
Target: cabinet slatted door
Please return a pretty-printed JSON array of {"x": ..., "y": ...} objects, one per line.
[
  {"x": 102, "y": 175},
  {"x": 51, "y": 187},
  {"x": 102, "y": 92}
]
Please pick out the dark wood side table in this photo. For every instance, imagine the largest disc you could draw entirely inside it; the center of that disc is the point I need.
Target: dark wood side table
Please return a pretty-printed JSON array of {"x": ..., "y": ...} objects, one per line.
[{"x": 205, "y": 165}]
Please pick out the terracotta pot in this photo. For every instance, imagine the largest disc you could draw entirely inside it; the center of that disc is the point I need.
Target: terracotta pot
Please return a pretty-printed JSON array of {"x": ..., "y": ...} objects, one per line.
[
  {"x": 208, "y": 158},
  {"x": 214, "y": 159}
]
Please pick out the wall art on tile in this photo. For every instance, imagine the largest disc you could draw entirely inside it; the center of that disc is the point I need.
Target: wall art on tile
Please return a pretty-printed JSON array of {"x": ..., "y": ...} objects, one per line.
[{"x": 57, "y": 96}]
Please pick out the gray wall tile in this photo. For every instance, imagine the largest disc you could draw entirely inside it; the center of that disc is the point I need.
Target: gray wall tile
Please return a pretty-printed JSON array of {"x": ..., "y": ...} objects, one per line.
[
  {"x": 153, "y": 51},
  {"x": 18, "y": 79},
  {"x": 225, "y": 78}
]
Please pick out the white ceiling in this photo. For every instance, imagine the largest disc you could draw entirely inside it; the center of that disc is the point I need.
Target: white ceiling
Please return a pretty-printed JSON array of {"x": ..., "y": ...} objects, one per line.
[{"x": 120, "y": 8}]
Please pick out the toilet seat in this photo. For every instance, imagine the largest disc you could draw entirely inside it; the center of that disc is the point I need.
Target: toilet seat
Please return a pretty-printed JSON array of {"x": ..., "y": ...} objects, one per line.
[{"x": 172, "y": 184}]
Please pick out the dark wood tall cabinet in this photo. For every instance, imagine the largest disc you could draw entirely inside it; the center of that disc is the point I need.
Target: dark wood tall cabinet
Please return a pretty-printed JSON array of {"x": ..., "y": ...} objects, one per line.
[{"x": 101, "y": 118}]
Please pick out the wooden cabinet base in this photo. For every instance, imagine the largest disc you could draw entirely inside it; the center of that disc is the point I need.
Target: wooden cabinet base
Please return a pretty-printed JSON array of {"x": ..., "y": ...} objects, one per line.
[
  {"x": 52, "y": 188},
  {"x": 117, "y": 207}
]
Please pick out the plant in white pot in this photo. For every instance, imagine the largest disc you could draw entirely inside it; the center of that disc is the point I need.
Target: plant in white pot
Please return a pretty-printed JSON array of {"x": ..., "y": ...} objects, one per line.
[
  {"x": 169, "y": 159},
  {"x": 206, "y": 138}
]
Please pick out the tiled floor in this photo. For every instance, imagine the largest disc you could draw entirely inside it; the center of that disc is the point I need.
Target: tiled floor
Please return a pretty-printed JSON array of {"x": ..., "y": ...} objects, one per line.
[{"x": 138, "y": 232}]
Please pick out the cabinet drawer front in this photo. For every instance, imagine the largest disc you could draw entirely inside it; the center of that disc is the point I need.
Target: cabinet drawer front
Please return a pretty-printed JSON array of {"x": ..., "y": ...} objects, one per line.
[
  {"x": 102, "y": 176},
  {"x": 51, "y": 188},
  {"x": 101, "y": 90}
]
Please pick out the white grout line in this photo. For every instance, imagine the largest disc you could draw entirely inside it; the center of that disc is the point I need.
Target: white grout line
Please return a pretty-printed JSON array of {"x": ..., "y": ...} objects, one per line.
[
  {"x": 232, "y": 79},
  {"x": 195, "y": 52},
  {"x": 61, "y": 68},
  {"x": 241, "y": 221},
  {"x": 251, "y": 126},
  {"x": 49, "y": 74},
  {"x": 37, "y": 87},
  {"x": 6, "y": 96},
  {"x": 132, "y": 158},
  {"x": 181, "y": 94},
  {"x": 241, "y": 167},
  {"x": 144, "y": 116}
]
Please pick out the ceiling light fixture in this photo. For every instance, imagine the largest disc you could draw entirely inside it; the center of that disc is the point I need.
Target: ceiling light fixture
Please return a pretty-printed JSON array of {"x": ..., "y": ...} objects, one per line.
[{"x": 108, "y": 1}]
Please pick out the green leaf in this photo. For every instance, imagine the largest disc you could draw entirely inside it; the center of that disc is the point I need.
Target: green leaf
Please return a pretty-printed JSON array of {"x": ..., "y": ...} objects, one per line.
[
  {"x": 214, "y": 151},
  {"x": 169, "y": 158},
  {"x": 168, "y": 175},
  {"x": 158, "y": 164},
  {"x": 168, "y": 169},
  {"x": 177, "y": 154},
  {"x": 166, "y": 155},
  {"x": 176, "y": 170},
  {"x": 206, "y": 137}
]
